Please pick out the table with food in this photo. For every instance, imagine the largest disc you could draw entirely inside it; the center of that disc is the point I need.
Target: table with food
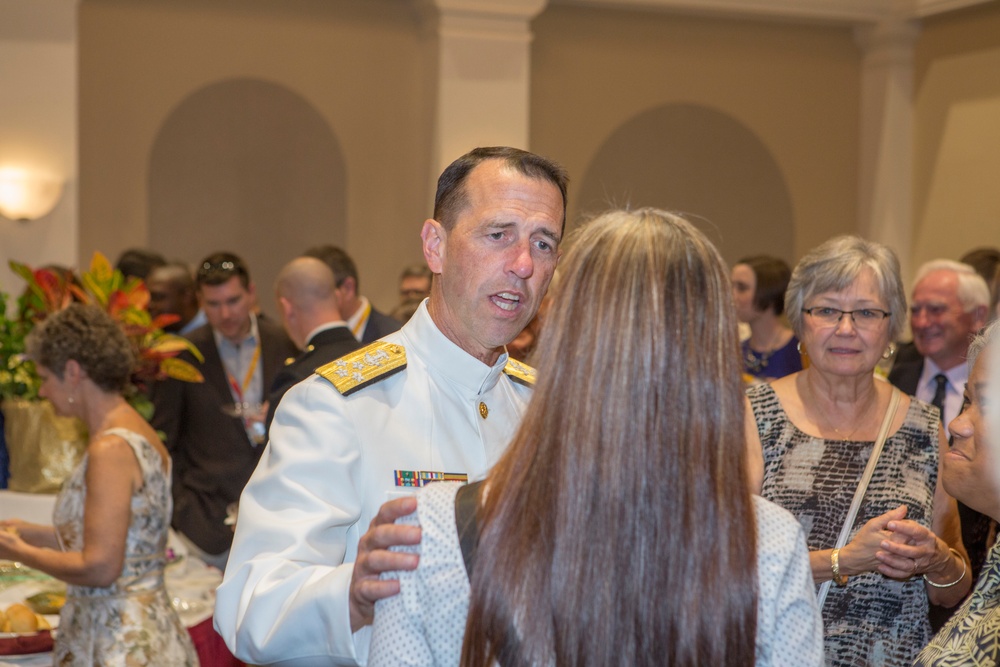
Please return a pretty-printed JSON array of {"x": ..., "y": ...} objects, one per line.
[{"x": 30, "y": 600}]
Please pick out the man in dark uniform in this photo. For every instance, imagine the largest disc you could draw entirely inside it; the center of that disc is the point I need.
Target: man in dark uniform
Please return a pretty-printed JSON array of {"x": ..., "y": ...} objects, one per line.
[
  {"x": 306, "y": 291},
  {"x": 363, "y": 319}
]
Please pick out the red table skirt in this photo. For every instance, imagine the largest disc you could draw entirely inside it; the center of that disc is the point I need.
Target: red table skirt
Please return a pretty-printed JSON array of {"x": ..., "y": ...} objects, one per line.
[{"x": 212, "y": 651}]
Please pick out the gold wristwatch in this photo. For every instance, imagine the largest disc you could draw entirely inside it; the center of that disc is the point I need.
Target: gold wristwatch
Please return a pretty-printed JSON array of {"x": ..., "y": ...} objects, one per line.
[{"x": 838, "y": 578}]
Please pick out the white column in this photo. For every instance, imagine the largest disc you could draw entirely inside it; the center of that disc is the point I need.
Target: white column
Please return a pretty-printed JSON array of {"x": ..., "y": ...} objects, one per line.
[
  {"x": 483, "y": 75},
  {"x": 885, "y": 192}
]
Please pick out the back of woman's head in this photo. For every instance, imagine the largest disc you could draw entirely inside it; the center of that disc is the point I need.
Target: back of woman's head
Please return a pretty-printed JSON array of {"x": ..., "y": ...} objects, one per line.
[
  {"x": 87, "y": 335},
  {"x": 618, "y": 526}
]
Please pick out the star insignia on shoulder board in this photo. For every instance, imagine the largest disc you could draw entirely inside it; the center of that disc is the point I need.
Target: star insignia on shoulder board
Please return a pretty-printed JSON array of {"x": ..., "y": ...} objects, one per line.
[
  {"x": 364, "y": 367},
  {"x": 520, "y": 372}
]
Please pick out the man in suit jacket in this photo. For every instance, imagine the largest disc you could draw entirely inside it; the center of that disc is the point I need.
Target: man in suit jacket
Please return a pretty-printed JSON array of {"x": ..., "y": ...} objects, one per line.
[
  {"x": 214, "y": 429},
  {"x": 306, "y": 291},
  {"x": 949, "y": 305},
  {"x": 365, "y": 322}
]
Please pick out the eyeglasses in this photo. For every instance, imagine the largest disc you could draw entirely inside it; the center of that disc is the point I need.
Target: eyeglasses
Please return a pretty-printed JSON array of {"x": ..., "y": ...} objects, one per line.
[
  {"x": 863, "y": 318},
  {"x": 223, "y": 268}
]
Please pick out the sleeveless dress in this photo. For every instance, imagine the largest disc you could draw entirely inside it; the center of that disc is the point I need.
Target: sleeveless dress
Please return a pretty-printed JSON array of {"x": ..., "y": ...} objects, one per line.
[
  {"x": 873, "y": 620},
  {"x": 130, "y": 622},
  {"x": 972, "y": 635}
]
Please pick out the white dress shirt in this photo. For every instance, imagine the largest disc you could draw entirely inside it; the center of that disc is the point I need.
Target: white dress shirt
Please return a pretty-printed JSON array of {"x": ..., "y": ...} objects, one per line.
[
  {"x": 330, "y": 464},
  {"x": 358, "y": 322},
  {"x": 957, "y": 377}
]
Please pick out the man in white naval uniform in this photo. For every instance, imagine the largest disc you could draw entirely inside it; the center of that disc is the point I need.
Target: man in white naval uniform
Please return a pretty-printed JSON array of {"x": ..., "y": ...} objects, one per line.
[{"x": 439, "y": 398}]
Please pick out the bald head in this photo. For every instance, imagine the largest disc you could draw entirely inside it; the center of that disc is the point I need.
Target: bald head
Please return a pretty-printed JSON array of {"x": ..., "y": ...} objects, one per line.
[{"x": 307, "y": 297}]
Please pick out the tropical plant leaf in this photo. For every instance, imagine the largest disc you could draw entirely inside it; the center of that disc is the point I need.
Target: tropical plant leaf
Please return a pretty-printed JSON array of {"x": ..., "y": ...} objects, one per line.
[
  {"x": 103, "y": 273},
  {"x": 181, "y": 370},
  {"x": 125, "y": 300},
  {"x": 168, "y": 343},
  {"x": 165, "y": 320},
  {"x": 117, "y": 304}
]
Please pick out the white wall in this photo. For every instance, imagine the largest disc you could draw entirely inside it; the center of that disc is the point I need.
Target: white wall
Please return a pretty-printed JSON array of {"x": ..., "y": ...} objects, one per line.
[
  {"x": 957, "y": 106},
  {"x": 38, "y": 112}
]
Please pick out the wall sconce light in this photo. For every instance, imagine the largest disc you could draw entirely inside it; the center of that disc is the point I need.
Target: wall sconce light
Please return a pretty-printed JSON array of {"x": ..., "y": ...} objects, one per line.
[{"x": 27, "y": 196}]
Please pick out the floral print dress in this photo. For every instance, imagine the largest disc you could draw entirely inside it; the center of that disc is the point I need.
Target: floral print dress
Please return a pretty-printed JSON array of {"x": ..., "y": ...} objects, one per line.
[
  {"x": 972, "y": 636},
  {"x": 130, "y": 622}
]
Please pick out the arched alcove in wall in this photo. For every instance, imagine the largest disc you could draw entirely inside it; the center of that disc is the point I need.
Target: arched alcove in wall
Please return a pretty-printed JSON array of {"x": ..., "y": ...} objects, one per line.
[
  {"x": 251, "y": 167},
  {"x": 701, "y": 162}
]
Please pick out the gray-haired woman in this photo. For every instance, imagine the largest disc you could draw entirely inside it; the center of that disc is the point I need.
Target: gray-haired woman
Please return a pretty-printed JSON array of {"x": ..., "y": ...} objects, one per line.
[{"x": 812, "y": 435}]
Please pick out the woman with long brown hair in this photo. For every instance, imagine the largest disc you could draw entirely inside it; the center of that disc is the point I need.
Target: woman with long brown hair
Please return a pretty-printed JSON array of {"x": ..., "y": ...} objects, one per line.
[{"x": 619, "y": 527}]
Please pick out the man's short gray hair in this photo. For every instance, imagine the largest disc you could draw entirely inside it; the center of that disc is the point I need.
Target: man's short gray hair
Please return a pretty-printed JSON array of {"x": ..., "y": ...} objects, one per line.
[
  {"x": 834, "y": 265},
  {"x": 973, "y": 291}
]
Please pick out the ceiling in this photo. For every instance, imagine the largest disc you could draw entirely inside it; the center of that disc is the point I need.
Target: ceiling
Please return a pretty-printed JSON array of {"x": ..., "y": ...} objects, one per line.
[
  {"x": 55, "y": 20},
  {"x": 840, "y": 11}
]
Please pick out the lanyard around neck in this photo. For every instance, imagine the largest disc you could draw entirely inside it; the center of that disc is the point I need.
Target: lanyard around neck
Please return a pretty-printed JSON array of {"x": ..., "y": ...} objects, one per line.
[{"x": 241, "y": 389}]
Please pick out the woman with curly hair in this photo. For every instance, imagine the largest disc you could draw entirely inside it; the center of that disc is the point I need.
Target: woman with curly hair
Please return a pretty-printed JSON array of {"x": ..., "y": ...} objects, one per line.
[{"x": 110, "y": 522}]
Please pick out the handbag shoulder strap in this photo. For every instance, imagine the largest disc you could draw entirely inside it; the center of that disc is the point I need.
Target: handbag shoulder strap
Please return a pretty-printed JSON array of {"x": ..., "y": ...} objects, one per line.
[
  {"x": 859, "y": 493},
  {"x": 466, "y": 504}
]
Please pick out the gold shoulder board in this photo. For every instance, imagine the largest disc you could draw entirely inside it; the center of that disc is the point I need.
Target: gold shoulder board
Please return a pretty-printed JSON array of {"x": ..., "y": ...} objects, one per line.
[
  {"x": 363, "y": 367},
  {"x": 520, "y": 373}
]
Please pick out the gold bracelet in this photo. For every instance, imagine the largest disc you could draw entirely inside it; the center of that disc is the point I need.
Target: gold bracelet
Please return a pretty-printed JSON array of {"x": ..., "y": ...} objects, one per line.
[
  {"x": 965, "y": 569},
  {"x": 838, "y": 578}
]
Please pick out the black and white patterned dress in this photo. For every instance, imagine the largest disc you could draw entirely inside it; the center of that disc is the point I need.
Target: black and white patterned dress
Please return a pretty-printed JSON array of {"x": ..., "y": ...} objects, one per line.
[
  {"x": 972, "y": 635},
  {"x": 873, "y": 621}
]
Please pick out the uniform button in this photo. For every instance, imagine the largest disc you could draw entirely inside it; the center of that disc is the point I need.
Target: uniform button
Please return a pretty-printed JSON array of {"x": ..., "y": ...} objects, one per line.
[{"x": 483, "y": 410}]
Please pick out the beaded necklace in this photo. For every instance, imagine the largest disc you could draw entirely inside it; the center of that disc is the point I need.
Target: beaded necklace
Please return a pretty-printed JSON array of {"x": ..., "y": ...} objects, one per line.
[{"x": 755, "y": 362}]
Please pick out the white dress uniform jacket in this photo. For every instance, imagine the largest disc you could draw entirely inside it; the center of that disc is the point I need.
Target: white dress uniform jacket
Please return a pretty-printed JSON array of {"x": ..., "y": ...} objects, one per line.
[{"x": 331, "y": 462}]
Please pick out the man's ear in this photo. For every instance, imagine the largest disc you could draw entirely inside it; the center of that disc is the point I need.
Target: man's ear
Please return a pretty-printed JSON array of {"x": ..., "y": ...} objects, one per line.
[
  {"x": 349, "y": 286},
  {"x": 433, "y": 237},
  {"x": 285, "y": 306},
  {"x": 979, "y": 314}
]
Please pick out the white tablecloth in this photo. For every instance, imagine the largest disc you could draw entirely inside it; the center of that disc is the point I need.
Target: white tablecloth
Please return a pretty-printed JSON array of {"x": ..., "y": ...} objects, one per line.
[{"x": 33, "y": 507}]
